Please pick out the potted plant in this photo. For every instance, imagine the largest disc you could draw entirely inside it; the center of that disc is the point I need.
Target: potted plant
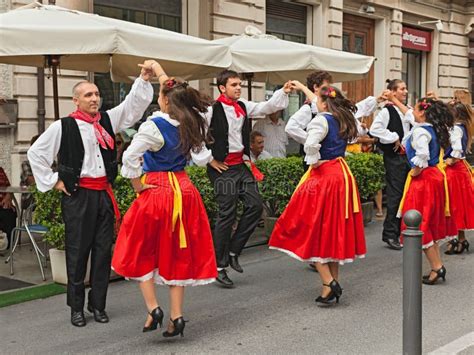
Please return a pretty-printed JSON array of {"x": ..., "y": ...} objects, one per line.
[
  {"x": 281, "y": 178},
  {"x": 369, "y": 172}
]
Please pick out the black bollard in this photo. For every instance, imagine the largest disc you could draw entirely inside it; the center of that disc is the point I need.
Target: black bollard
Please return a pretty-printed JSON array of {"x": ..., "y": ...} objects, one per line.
[{"x": 412, "y": 281}]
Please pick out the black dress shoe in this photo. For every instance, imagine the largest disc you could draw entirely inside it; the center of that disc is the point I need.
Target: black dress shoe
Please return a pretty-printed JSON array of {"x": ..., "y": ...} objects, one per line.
[
  {"x": 393, "y": 244},
  {"x": 234, "y": 263},
  {"x": 78, "y": 319},
  {"x": 223, "y": 279},
  {"x": 99, "y": 316}
]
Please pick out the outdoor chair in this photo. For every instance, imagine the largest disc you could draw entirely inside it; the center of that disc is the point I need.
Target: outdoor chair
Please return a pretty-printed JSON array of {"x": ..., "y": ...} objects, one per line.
[{"x": 26, "y": 225}]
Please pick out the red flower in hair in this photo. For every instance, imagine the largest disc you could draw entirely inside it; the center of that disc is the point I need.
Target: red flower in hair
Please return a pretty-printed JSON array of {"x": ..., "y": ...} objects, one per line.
[
  {"x": 170, "y": 83},
  {"x": 424, "y": 105}
]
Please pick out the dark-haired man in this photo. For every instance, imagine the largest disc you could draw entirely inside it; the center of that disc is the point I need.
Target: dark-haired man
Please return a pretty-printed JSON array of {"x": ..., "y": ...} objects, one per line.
[{"x": 230, "y": 126}]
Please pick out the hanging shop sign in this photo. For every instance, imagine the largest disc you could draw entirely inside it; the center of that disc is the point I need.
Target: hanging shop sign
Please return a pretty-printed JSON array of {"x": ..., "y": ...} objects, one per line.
[{"x": 416, "y": 39}]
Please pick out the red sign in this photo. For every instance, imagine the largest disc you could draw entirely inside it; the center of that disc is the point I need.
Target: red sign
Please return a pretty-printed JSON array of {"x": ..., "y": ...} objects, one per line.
[{"x": 416, "y": 39}]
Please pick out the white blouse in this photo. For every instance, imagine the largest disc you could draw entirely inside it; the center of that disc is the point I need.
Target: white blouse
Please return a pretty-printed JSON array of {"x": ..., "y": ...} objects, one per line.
[
  {"x": 297, "y": 125},
  {"x": 420, "y": 140},
  {"x": 147, "y": 138},
  {"x": 317, "y": 130},
  {"x": 455, "y": 138},
  {"x": 44, "y": 151}
]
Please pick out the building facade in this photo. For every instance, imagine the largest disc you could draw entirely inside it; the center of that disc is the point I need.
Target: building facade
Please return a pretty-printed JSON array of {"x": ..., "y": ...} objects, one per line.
[{"x": 429, "y": 44}]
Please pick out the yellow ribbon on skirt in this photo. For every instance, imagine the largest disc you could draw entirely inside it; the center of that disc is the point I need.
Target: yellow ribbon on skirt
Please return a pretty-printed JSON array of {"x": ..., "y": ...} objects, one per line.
[
  {"x": 347, "y": 173},
  {"x": 441, "y": 167},
  {"x": 177, "y": 209}
]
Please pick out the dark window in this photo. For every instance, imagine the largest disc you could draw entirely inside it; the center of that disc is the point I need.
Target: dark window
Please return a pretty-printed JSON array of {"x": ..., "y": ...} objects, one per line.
[
  {"x": 411, "y": 74},
  {"x": 164, "y": 14}
]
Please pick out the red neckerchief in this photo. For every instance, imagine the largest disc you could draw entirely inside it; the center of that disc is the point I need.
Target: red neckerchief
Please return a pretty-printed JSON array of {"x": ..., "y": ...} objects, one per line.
[
  {"x": 225, "y": 100},
  {"x": 103, "y": 137}
]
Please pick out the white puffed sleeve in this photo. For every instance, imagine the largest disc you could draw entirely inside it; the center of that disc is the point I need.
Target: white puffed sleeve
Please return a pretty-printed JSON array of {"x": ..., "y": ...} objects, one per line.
[
  {"x": 420, "y": 140},
  {"x": 317, "y": 131},
  {"x": 148, "y": 137},
  {"x": 455, "y": 138}
]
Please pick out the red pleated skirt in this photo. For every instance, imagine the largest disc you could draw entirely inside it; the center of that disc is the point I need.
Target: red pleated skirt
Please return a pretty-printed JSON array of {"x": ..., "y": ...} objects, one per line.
[
  {"x": 427, "y": 195},
  {"x": 461, "y": 194},
  {"x": 147, "y": 247},
  {"x": 314, "y": 227}
]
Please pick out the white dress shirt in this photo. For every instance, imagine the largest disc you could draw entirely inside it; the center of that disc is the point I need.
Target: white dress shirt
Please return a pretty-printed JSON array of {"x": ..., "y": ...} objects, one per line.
[
  {"x": 277, "y": 102},
  {"x": 276, "y": 139},
  {"x": 420, "y": 139},
  {"x": 299, "y": 121},
  {"x": 44, "y": 151},
  {"x": 262, "y": 156},
  {"x": 455, "y": 138},
  {"x": 380, "y": 124}
]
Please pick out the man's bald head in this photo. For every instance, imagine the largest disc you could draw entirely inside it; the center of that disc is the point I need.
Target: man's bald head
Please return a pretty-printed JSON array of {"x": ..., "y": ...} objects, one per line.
[{"x": 86, "y": 97}]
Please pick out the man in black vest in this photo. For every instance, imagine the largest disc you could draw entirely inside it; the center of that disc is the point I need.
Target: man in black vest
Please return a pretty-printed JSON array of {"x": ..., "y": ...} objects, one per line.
[
  {"x": 230, "y": 126},
  {"x": 87, "y": 165},
  {"x": 390, "y": 126}
]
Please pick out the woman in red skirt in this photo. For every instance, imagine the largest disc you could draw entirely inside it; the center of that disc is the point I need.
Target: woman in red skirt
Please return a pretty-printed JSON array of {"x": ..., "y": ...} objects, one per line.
[
  {"x": 426, "y": 186},
  {"x": 165, "y": 236},
  {"x": 323, "y": 221},
  {"x": 460, "y": 177}
]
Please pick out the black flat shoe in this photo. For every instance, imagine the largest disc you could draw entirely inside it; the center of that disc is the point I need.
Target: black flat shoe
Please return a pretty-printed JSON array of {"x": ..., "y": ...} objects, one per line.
[
  {"x": 78, "y": 319},
  {"x": 393, "y": 244},
  {"x": 178, "y": 328},
  {"x": 440, "y": 274},
  {"x": 157, "y": 318},
  {"x": 223, "y": 279},
  {"x": 234, "y": 263},
  {"x": 99, "y": 316}
]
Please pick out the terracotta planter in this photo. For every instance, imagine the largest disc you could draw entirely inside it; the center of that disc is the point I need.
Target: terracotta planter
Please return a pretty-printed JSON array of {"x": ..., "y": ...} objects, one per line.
[{"x": 367, "y": 212}]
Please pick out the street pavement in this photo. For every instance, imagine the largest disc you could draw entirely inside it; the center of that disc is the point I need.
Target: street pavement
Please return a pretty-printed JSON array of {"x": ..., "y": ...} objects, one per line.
[{"x": 271, "y": 310}]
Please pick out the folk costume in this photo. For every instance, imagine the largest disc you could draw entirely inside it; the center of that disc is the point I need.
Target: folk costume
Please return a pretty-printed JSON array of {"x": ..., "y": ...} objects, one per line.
[
  {"x": 323, "y": 221},
  {"x": 229, "y": 124},
  {"x": 389, "y": 126},
  {"x": 460, "y": 180},
  {"x": 165, "y": 235},
  {"x": 428, "y": 192},
  {"x": 87, "y": 165}
]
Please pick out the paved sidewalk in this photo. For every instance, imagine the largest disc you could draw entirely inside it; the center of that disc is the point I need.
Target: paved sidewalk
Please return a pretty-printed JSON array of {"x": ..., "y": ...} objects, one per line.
[{"x": 271, "y": 310}]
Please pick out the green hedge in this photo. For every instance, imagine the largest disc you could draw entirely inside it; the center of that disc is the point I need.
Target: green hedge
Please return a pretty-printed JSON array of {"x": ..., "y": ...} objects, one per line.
[{"x": 281, "y": 177}]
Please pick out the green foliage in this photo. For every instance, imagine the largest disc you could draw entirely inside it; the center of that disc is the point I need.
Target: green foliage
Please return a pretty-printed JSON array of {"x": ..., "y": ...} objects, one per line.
[
  {"x": 48, "y": 213},
  {"x": 124, "y": 194},
  {"x": 281, "y": 177},
  {"x": 369, "y": 173},
  {"x": 198, "y": 176}
]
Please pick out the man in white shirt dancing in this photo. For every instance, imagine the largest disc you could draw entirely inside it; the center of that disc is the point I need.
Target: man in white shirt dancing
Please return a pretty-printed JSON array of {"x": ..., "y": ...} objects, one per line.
[{"x": 87, "y": 165}]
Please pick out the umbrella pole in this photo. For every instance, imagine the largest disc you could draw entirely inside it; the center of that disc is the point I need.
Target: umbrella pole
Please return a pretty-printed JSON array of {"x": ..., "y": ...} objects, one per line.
[
  {"x": 248, "y": 77},
  {"x": 53, "y": 62}
]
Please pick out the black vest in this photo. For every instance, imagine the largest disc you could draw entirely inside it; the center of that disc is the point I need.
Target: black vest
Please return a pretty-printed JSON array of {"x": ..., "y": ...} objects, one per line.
[
  {"x": 394, "y": 125},
  {"x": 219, "y": 130},
  {"x": 71, "y": 153}
]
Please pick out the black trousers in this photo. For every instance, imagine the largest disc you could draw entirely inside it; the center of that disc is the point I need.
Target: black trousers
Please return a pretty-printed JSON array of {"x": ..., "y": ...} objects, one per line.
[
  {"x": 89, "y": 219},
  {"x": 7, "y": 222},
  {"x": 233, "y": 184},
  {"x": 396, "y": 171}
]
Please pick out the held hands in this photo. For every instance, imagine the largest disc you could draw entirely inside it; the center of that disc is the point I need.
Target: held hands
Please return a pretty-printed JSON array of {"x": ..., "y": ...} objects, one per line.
[
  {"x": 287, "y": 87},
  {"x": 385, "y": 95},
  {"x": 147, "y": 69},
  {"x": 296, "y": 85},
  {"x": 60, "y": 186},
  {"x": 139, "y": 187},
  {"x": 219, "y": 166}
]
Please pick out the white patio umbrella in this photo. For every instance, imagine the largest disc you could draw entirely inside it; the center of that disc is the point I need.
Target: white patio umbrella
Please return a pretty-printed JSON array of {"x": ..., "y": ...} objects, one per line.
[
  {"x": 266, "y": 58},
  {"x": 45, "y": 35}
]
